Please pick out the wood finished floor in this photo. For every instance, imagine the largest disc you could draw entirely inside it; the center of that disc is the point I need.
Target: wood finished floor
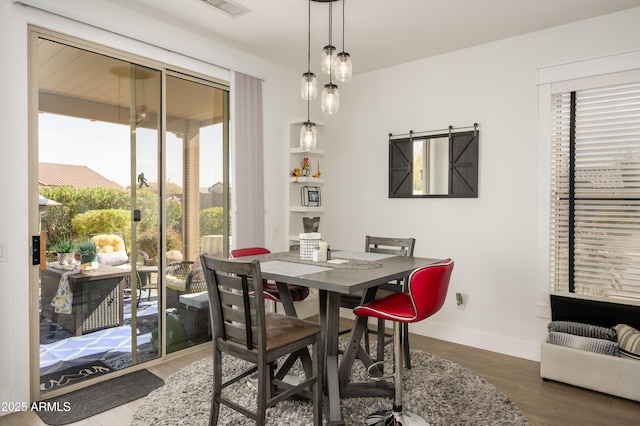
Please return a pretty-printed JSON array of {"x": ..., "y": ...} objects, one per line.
[{"x": 543, "y": 403}]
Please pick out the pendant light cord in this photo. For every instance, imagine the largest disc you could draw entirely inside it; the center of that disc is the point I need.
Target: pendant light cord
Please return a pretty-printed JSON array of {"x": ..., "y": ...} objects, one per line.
[
  {"x": 309, "y": 61},
  {"x": 343, "y": 2},
  {"x": 330, "y": 40},
  {"x": 309, "y": 42}
]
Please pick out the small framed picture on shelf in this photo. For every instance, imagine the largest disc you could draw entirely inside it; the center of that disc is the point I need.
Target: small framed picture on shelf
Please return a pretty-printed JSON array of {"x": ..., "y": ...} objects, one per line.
[{"x": 310, "y": 196}]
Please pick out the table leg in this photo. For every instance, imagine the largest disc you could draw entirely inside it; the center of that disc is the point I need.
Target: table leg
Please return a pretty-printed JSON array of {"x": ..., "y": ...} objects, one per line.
[
  {"x": 355, "y": 351},
  {"x": 331, "y": 324}
]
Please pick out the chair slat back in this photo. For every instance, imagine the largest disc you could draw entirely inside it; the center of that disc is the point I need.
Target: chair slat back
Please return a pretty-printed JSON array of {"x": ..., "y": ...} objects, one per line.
[
  {"x": 236, "y": 303},
  {"x": 397, "y": 246}
]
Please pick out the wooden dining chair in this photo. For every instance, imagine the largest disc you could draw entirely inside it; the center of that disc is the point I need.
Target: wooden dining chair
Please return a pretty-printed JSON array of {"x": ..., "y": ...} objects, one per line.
[
  {"x": 272, "y": 294},
  {"x": 241, "y": 328},
  {"x": 392, "y": 246}
]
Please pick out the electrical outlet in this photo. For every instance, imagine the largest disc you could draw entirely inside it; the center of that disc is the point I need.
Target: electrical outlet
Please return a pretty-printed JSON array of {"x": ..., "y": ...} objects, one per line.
[
  {"x": 274, "y": 232},
  {"x": 459, "y": 301},
  {"x": 3, "y": 251}
]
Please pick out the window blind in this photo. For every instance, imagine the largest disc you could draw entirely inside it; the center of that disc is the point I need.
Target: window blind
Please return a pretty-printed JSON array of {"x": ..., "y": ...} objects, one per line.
[{"x": 595, "y": 192}]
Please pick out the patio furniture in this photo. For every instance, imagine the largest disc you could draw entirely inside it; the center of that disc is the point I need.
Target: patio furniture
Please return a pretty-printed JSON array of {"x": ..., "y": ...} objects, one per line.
[
  {"x": 183, "y": 277},
  {"x": 97, "y": 298},
  {"x": 114, "y": 252}
]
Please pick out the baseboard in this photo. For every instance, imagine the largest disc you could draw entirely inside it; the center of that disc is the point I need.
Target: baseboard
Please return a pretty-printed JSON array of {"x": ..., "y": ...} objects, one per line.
[
  {"x": 519, "y": 348},
  {"x": 487, "y": 341}
]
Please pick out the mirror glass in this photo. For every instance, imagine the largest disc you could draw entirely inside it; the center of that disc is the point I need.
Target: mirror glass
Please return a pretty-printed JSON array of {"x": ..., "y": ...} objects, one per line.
[{"x": 431, "y": 166}]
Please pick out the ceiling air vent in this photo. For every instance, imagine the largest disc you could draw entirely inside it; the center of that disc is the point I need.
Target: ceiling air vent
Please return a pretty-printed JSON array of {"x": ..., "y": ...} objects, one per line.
[{"x": 227, "y": 7}]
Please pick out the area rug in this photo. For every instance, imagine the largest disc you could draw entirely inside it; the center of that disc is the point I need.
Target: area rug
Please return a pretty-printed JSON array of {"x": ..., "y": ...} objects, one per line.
[
  {"x": 95, "y": 399},
  {"x": 440, "y": 390},
  {"x": 73, "y": 375}
]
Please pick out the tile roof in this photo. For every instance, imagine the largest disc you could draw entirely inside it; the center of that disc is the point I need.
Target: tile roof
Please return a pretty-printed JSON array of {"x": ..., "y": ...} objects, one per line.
[{"x": 52, "y": 174}]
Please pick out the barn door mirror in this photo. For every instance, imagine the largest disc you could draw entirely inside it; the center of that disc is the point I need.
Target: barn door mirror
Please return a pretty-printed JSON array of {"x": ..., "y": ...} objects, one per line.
[{"x": 437, "y": 165}]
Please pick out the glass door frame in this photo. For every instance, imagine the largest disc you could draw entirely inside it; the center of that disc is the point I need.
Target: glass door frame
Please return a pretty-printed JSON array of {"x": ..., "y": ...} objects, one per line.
[{"x": 35, "y": 35}]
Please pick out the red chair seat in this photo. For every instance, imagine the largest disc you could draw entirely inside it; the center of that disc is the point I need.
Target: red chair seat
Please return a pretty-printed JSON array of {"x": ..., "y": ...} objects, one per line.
[
  {"x": 270, "y": 291},
  {"x": 395, "y": 307}
]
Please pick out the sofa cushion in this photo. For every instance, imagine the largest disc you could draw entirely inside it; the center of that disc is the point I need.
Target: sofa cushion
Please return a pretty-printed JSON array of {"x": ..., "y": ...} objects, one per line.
[{"x": 628, "y": 341}]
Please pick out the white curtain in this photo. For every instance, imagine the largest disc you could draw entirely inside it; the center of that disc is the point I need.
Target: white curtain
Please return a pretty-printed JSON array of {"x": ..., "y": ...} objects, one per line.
[{"x": 248, "y": 180}]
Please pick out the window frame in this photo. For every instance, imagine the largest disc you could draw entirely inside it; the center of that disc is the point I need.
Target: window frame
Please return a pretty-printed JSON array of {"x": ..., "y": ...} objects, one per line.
[
  {"x": 595, "y": 201},
  {"x": 573, "y": 73}
]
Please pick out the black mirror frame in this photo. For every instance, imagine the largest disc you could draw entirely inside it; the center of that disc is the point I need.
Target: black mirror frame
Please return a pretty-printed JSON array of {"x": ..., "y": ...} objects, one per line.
[{"x": 463, "y": 166}]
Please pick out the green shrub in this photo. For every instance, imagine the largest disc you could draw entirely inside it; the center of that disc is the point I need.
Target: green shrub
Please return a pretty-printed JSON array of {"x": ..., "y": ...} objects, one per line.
[
  {"x": 102, "y": 222},
  {"x": 148, "y": 241},
  {"x": 74, "y": 201},
  {"x": 211, "y": 221}
]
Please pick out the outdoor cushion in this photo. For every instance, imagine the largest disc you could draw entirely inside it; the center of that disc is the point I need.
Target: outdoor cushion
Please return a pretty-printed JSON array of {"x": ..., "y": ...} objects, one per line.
[
  {"x": 196, "y": 300},
  {"x": 109, "y": 243},
  {"x": 113, "y": 258}
]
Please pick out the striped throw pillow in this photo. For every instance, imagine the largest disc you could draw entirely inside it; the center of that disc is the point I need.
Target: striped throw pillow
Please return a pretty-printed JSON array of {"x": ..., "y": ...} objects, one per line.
[
  {"x": 628, "y": 341},
  {"x": 586, "y": 330}
]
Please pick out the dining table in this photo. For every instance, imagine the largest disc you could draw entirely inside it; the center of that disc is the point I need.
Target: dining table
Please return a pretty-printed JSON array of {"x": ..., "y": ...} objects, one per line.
[{"x": 347, "y": 272}]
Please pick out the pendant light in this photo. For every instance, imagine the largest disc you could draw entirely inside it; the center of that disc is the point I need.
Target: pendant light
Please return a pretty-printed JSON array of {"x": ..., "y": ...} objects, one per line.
[
  {"x": 343, "y": 59},
  {"x": 309, "y": 83},
  {"x": 330, "y": 101},
  {"x": 308, "y": 132},
  {"x": 328, "y": 56}
]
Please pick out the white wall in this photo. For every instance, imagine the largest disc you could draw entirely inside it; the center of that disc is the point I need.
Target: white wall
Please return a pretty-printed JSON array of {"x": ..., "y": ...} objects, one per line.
[
  {"x": 498, "y": 240},
  {"x": 494, "y": 239},
  {"x": 143, "y": 37}
]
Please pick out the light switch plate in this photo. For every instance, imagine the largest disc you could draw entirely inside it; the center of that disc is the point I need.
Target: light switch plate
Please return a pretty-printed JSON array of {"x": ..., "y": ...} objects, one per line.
[{"x": 3, "y": 251}]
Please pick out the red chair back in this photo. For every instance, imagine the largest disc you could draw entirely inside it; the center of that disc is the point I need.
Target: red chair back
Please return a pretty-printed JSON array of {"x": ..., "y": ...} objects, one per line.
[
  {"x": 249, "y": 251},
  {"x": 428, "y": 288}
]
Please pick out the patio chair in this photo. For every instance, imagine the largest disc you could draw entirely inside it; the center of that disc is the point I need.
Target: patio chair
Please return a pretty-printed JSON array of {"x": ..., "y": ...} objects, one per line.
[{"x": 114, "y": 252}]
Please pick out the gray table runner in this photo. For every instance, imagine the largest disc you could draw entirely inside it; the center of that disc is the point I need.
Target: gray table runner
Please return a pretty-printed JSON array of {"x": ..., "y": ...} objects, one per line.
[{"x": 354, "y": 260}]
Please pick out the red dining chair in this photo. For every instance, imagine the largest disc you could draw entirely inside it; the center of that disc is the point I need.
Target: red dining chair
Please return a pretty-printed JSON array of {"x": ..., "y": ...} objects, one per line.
[
  {"x": 270, "y": 290},
  {"x": 427, "y": 289}
]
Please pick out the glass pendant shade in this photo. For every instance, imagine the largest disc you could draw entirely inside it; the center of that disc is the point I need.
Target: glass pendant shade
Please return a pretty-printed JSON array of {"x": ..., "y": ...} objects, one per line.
[
  {"x": 330, "y": 101},
  {"x": 308, "y": 136},
  {"x": 328, "y": 59},
  {"x": 309, "y": 86},
  {"x": 343, "y": 69}
]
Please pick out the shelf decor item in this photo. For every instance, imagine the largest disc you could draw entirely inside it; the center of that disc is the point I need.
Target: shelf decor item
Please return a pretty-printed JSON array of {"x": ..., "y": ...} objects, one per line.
[
  {"x": 310, "y": 196},
  {"x": 309, "y": 241},
  {"x": 311, "y": 224}
]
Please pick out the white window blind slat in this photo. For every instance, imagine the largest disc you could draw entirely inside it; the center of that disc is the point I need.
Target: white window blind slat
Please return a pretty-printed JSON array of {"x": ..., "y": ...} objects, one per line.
[{"x": 603, "y": 247}]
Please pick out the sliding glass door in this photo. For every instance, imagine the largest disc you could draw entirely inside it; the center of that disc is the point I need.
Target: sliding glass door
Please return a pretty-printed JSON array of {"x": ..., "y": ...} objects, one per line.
[
  {"x": 132, "y": 158},
  {"x": 197, "y": 201}
]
